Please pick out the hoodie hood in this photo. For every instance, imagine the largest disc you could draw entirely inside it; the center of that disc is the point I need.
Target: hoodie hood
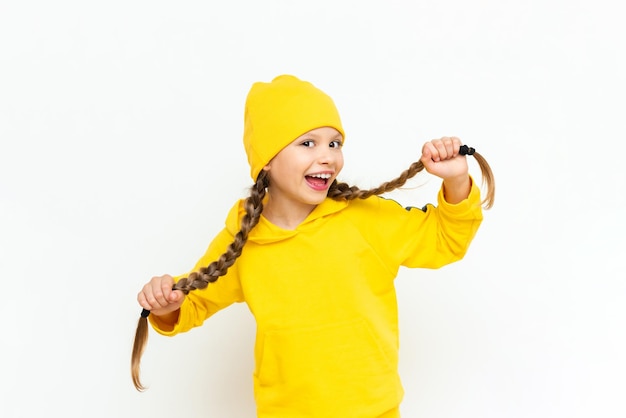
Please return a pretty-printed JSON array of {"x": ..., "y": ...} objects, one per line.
[{"x": 266, "y": 232}]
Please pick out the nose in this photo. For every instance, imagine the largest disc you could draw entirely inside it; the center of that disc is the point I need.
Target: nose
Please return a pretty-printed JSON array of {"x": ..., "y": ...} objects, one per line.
[{"x": 326, "y": 155}]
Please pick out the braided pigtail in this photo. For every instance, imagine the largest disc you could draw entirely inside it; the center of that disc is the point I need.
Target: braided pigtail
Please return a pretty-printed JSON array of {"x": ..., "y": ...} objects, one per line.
[
  {"x": 343, "y": 191},
  {"x": 254, "y": 206},
  {"x": 201, "y": 279}
]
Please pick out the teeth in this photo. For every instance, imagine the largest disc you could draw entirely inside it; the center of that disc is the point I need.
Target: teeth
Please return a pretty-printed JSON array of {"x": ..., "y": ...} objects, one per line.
[{"x": 320, "y": 176}]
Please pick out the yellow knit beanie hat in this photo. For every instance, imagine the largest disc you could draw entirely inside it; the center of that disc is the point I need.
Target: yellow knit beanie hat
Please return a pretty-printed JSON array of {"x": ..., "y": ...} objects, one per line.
[{"x": 278, "y": 112}]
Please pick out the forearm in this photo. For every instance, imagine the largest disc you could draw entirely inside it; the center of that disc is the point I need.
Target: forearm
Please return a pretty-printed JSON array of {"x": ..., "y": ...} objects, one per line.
[{"x": 457, "y": 189}]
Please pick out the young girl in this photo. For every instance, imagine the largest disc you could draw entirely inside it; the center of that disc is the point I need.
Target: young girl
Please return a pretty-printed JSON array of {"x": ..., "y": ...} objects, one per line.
[{"x": 315, "y": 260}]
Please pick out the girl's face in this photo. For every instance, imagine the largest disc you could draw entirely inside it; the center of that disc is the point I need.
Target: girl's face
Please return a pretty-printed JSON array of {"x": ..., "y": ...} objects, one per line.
[{"x": 302, "y": 172}]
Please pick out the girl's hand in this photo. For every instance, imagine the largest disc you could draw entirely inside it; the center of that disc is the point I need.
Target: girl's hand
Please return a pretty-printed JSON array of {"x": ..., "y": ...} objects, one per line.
[
  {"x": 158, "y": 297},
  {"x": 441, "y": 158}
]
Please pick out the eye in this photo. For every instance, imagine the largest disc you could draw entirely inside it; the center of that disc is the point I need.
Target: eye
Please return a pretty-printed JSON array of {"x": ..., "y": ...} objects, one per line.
[
  {"x": 336, "y": 144},
  {"x": 308, "y": 143}
]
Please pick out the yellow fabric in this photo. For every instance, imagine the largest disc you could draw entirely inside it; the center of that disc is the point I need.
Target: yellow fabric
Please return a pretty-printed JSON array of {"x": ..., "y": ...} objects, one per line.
[
  {"x": 277, "y": 113},
  {"x": 324, "y": 300}
]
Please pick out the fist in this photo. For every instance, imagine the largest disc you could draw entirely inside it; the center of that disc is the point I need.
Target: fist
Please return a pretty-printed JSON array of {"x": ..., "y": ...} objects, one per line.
[
  {"x": 441, "y": 158},
  {"x": 158, "y": 297}
]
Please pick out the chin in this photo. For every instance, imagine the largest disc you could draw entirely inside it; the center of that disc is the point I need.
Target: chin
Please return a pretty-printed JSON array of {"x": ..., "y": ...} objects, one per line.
[{"x": 316, "y": 199}]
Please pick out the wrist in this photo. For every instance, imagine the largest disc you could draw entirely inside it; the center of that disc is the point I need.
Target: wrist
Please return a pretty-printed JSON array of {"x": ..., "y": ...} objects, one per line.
[
  {"x": 460, "y": 180},
  {"x": 456, "y": 189}
]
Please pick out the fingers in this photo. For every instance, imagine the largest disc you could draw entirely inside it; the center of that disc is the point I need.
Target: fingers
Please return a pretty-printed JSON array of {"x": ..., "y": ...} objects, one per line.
[
  {"x": 441, "y": 158},
  {"x": 158, "y": 294},
  {"x": 441, "y": 149}
]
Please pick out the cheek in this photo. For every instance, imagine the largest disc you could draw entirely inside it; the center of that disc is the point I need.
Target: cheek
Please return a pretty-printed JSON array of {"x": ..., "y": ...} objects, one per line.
[
  {"x": 289, "y": 169},
  {"x": 339, "y": 165}
]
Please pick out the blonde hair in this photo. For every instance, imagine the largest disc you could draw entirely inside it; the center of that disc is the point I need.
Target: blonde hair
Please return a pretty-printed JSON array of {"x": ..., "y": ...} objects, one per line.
[{"x": 254, "y": 207}]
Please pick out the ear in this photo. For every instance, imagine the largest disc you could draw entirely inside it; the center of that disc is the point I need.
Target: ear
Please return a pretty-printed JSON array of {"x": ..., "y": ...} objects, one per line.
[{"x": 267, "y": 167}]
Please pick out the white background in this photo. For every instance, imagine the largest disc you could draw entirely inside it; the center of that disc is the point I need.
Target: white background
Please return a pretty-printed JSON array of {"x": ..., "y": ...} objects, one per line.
[{"x": 120, "y": 130}]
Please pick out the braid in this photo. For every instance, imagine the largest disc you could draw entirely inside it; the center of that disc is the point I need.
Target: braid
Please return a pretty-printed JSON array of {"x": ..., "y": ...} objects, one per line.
[
  {"x": 254, "y": 206},
  {"x": 343, "y": 191},
  {"x": 201, "y": 279}
]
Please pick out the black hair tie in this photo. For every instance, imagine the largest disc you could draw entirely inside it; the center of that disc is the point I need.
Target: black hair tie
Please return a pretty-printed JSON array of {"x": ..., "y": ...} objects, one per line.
[
  {"x": 145, "y": 313},
  {"x": 465, "y": 150}
]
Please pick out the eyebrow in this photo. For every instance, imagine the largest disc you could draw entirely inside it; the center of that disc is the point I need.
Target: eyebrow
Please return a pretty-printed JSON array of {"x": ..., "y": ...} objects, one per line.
[{"x": 337, "y": 136}]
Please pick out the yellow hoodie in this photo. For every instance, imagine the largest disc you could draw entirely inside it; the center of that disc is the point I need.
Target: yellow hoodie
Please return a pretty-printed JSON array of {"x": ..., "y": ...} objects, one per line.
[{"x": 324, "y": 300}]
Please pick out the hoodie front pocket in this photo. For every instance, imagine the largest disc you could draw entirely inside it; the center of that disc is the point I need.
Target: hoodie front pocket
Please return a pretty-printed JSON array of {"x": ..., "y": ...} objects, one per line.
[{"x": 335, "y": 370}]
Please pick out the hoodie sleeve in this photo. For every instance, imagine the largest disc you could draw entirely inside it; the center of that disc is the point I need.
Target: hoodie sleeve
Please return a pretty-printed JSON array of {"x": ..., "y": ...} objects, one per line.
[
  {"x": 429, "y": 238},
  {"x": 202, "y": 303}
]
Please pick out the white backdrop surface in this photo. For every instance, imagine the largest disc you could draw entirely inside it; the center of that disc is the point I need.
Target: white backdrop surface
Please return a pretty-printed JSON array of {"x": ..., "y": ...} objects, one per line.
[{"x": 120, "y": 154}]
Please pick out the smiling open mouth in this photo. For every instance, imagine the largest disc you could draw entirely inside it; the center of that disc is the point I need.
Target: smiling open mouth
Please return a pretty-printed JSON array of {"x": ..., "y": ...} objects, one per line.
[{"x": 318, "y": 181}]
